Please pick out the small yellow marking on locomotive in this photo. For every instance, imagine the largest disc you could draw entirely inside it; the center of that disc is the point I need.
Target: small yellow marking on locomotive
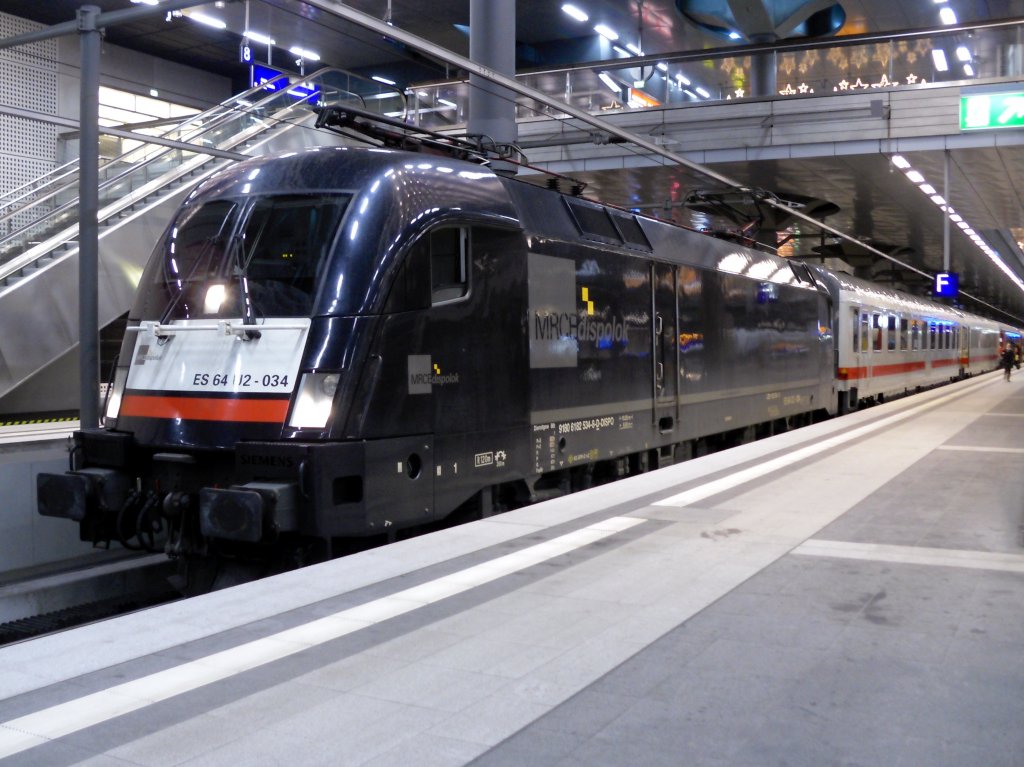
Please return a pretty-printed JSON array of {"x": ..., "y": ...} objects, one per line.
[
  {"x": 437, "y": 369},
  {"x": 586, "y": 299}
]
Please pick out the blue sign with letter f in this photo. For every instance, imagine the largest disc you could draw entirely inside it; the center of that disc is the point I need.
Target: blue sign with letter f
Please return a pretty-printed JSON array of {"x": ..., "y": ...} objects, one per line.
[{"x": 947, "y": 284}]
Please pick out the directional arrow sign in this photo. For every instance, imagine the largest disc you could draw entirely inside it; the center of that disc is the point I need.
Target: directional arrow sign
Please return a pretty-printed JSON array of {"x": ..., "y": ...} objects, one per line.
[
  {"x": 992, "y": 110},
  {"x": 1014, "y": 110}
]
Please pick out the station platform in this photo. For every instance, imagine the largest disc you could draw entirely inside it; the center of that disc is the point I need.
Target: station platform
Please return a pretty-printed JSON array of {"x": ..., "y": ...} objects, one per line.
[{"x": 845, "y": 594}]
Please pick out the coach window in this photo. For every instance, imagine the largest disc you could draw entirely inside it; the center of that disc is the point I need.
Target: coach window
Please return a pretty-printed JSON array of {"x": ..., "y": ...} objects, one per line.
[
  {"x": 865, "y": 331},
  {"x": 449, "y": 264},
  {"x": 856, "y": 332},
  {"x": 892, "y": 332},
  {"x": 904, "y": 334},
  {"x": 931, "y": 335},
  {"x": 876, "y": 323}
]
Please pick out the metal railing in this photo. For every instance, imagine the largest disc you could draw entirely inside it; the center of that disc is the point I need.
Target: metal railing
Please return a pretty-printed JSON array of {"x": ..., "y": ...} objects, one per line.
[{"x": 970, "y": 53}]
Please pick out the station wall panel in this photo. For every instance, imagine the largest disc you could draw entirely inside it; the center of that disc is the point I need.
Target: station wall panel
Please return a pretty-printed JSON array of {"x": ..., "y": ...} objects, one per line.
[{"x": 28, "y": 80}]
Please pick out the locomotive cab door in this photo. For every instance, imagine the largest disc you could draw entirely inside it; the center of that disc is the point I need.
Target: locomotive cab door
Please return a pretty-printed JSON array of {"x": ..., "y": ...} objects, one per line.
[{"x": 665, "y": 352}]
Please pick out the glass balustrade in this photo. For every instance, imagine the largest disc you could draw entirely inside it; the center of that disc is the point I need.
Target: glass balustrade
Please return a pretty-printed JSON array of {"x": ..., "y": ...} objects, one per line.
[{"x": 976, "y": 54}]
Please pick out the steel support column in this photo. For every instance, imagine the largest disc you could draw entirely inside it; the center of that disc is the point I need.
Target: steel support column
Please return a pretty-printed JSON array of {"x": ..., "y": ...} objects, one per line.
[{"x": 88, "y": 227}]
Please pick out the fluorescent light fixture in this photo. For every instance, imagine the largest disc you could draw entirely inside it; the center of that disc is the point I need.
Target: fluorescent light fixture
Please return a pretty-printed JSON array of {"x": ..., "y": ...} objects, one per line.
[
  {"x": 963, "y": 225},
  {"x": 607, "y": 32},
  {"x": 146, "y": 2},
  {"x": 575, "y": 12},
  {"x": 937, "y": 199},
  {"x": 635, "y": 49},
  {"x": 380, "y": 79},
  {"x": 914, "y": 176},
  {"x": 447, "y": 103},
  {"x": 622, "y": 51},
  {"x": 662, "y": 67},
  {"x": 735, "y": 35},
  {"x": 956, "y": 218},
  {"x": 962, "y": 54},
  {"x": 703, "y": 92},
  {"x": 939, "y": 57},
  {"x": 690, "y": 93},
  {"x": 968, "y": 70},
  {"x": 947, "y": 15},
  {"x": 683, "y": 80},
  {"x": 259, "y": 37},
  {"x": 900, "y": 161},
  {"x": 928, "y": 189},
  {"x": 209, "y": 21},
  {"x": 304, "y": 54},
  {"x": 607, "y": 80}
]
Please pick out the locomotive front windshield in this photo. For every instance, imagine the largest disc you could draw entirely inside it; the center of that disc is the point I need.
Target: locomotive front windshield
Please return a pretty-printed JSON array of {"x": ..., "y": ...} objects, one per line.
[{"x": 253, "y": 258}]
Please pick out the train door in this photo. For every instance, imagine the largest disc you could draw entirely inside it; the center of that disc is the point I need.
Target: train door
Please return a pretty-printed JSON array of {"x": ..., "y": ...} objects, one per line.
[
  {"x": 964, "y": 334},
  {"x": 665, "y": 354}
]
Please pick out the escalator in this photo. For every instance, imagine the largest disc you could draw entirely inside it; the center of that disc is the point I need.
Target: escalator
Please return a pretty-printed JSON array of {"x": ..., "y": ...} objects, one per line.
[{"x": 138, "y": 193}]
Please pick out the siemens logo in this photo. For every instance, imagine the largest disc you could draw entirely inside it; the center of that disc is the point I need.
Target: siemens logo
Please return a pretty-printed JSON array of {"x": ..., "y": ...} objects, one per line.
[
  {"x": 552, "y": 326},
  {"x": 267, "y": 461}
]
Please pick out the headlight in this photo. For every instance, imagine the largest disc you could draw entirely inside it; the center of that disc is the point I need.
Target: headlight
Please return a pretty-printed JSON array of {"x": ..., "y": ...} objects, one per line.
[
  {"x": 313, "y": 400},
  {"x": 114, "y": 396}
]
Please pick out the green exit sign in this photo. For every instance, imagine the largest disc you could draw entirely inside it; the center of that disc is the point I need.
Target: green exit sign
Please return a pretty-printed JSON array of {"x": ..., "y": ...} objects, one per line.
[{"x": 992, "y": 110}]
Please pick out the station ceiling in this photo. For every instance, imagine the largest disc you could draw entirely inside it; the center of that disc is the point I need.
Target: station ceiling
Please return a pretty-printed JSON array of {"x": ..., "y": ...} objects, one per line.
[{"x": 988, "y": 180}]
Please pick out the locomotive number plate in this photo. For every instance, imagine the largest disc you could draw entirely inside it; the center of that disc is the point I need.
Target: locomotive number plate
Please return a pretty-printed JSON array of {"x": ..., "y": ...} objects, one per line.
[{"x": 195, "y": 356}]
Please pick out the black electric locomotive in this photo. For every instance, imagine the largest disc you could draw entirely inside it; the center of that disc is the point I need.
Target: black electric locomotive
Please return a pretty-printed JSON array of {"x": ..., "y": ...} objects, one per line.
[{"x": 346, "y": 342}]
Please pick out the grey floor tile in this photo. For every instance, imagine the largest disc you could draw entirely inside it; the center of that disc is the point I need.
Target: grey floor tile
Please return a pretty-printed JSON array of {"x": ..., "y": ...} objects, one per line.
[{"x": 428, "y": 750}]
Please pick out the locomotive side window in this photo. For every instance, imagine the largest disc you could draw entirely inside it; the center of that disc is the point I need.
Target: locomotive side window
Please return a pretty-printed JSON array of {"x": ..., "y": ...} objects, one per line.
[
  {"x": 630, "y": 230},
  {"x": 594, "y": 222},
  {"x": 449, "y": 264}
]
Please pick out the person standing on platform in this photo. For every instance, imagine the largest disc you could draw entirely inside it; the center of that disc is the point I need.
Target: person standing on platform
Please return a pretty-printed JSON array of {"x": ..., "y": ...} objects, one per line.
[{"x": 1006, "y": 362}]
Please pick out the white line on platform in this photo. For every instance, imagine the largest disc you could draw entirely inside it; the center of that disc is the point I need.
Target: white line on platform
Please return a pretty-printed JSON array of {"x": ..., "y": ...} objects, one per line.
[
  {"x": 34, "y": 729},
  {"x": 738, "y": 478},
  {"x": 913, "y": 555}
]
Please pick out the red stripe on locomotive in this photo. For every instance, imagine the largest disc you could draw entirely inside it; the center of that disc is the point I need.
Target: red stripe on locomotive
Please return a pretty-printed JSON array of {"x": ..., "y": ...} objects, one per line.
[{"x": 205, "y": 408}]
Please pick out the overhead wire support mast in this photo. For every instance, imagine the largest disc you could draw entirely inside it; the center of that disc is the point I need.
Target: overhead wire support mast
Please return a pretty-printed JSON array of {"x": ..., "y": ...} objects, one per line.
[{"x": 431, "y": 49}]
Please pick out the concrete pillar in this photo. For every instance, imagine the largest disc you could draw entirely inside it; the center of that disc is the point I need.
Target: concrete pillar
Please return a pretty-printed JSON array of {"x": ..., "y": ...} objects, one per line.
[
  {"x": 492, "y": 44},
  {"x": 763, "y": 72}
]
